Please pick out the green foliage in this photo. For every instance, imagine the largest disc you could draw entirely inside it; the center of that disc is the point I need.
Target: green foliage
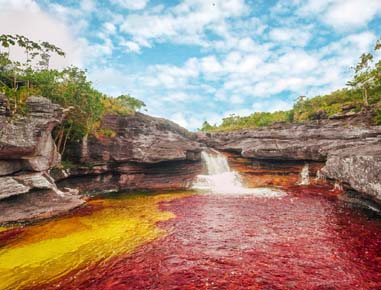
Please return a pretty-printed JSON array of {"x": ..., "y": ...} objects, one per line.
[
  {"x": 255, "y": 120},
  {"x": 206, "y": 127},
  {"x": 377, "y": 118},
  {"x": 130, "y": 103},
  {"x": 69, "y": 87},
  {"x": 103, "y": 132},
  {"x": 123, "y": 105}
]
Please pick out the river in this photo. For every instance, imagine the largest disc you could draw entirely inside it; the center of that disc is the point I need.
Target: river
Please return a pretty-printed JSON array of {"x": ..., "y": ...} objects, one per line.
[{"x": 303, "y": 237}]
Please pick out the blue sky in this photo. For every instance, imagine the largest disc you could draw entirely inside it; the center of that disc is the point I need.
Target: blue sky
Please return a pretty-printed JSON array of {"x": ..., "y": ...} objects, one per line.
[{"x": 197, "y": 60}]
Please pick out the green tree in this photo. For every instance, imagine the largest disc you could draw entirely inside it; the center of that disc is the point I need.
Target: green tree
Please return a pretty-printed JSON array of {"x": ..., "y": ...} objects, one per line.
[
  {"x": 206, "y": 127},
  {"x": 130, "y": 103},
  {"x": 367, "y": 74},
  {"x": 84, "y": 105}
]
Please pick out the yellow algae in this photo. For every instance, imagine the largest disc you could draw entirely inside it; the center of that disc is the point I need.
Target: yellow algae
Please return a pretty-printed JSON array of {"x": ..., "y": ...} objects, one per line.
[{"x": 52, "y": 249}]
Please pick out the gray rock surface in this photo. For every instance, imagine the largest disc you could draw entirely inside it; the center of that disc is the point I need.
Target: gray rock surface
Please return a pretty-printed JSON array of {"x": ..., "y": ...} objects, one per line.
[
  {"x": 145, "y": 153},
  {"x": 311, "y": 141},
  {"x": 352, "y": 153},
  {"x": 27, "y": 139},
  {"x": 139, "y": 138},
  {"x": 358, "y": 168},
  {"x": 27, "y": 152}
]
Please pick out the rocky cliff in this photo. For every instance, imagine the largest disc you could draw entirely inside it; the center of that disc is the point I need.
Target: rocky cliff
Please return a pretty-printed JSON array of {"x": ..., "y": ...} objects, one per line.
[
  {"x": 27, "y": 152},
  {"x": 138, "y": 153},
  {"x": 142, "y": 153},
  {"x": 349, "y": 152}
]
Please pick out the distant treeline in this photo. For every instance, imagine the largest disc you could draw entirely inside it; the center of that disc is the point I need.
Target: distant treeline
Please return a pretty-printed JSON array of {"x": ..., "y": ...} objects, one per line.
[
  {"x": 68, "y": 87},
  {"x": 363, "y": 91}
]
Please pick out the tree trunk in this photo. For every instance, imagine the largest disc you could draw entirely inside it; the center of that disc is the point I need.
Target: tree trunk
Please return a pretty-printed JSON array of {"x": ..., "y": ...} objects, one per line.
[
  {"x": 60, "y": 138},
  {"x": 66, "y": 138},
  {"x": 365, "y": 96},
  {"x": 84, "y": 149}
]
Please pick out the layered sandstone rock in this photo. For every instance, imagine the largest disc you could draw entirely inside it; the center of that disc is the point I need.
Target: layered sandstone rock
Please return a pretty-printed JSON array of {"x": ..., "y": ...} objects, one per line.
[
  {"x": 25, "y": 141},
  {"x": 350, "y": 151},
  {"x": 358, "y": 168},
  {"x": 27, "y": 152},
  {"x": 311, "y": 141},
  {"x": 145, "y": 153}
]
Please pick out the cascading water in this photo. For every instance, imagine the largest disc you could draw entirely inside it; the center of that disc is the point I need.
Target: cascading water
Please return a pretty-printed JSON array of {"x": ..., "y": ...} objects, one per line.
[
  {"x": 305, "y": 175},
  {"x": 222, "y": 180}
]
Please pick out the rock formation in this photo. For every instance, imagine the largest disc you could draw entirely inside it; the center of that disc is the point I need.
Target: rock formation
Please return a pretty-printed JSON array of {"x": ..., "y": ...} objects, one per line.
[
  {"x": 145, "y": 153},
  {"x": 140, "y": 152},
  {"x": 350, "y": 152},
  {"x": 27, "y": 152}
]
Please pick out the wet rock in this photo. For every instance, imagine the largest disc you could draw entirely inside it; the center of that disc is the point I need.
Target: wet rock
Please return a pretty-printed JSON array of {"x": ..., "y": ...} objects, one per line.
[
  {"x": 351, "y": 150},
  {"x": 8, "y": 167},
  {"x": 24, "y": 183},
  {"x": 357, "y": 167},
  {"x": 37, "y": 205},
  {"x": 10, "y": 186},
  {"x": 312, "y": 141},
  {"x": 4, "y": 106}
]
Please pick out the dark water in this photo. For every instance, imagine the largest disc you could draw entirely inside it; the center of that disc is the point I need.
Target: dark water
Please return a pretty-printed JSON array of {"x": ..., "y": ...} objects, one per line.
[{"x": 305, "y": 240}]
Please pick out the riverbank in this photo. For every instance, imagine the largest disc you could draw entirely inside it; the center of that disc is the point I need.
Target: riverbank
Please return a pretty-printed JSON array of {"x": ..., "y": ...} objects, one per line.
[{"x": 143, "y": 153}]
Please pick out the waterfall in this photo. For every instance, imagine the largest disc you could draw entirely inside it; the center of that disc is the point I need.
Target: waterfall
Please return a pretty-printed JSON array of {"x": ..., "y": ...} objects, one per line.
[
  {"x": 305, "y": 175},
  {"x": 222, "y": 180}
]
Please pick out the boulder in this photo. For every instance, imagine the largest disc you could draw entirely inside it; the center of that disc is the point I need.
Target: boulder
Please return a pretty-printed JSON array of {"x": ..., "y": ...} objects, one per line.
[
  {"x": 27, "y": 139},
  {"x": 27, "y": 152},
  {"x": 358, "y": 168}
]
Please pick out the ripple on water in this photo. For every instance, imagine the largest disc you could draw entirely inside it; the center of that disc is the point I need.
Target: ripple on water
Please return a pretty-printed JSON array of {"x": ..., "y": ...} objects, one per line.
[
  {"x": 301, "y": 241},
  {"x": 304, "y": 240},
  {"x": 48, "y": 250}
]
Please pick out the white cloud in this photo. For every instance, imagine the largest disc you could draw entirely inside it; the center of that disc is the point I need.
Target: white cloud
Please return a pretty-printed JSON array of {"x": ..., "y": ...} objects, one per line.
[
  {"x": 237, "y": 99},
  {"x": 179, "y": 118},
  {"x": 37, "y": 25},
  {"x": 342, "y": 14},
  {"x": 131, "y": 46},
  {"x": 109, "y": 28},
  {"x": 352, "y": 13},
  {"x": 186, "y": 22},
  {"x": 87, "y": 5},
  {"x": 131, "y": 4},
  {"x": 272, "y": 106},
  {"x": 291, "y": 36}
]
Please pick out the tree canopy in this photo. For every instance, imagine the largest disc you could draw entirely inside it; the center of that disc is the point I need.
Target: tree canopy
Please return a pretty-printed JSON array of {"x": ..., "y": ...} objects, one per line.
[{"x": 68, "y": 87}]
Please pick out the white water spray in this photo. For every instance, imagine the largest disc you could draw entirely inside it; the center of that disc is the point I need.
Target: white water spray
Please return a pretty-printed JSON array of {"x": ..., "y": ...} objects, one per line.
[
  {"x": 222, "y": 180},
  {"x": 305, "y": 175}
]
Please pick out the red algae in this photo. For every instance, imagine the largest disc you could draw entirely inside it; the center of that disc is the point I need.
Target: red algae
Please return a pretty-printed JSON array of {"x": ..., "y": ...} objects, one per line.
[{"x": 305, "y": 240}]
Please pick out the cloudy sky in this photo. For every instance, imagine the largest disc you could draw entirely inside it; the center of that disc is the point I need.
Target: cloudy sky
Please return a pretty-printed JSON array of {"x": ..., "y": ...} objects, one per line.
[{"x": 196, "y": 60}]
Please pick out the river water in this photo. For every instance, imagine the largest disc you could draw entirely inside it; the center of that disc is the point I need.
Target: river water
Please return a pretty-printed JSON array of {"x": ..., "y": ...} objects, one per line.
[{"x": 300, "y": 238}]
